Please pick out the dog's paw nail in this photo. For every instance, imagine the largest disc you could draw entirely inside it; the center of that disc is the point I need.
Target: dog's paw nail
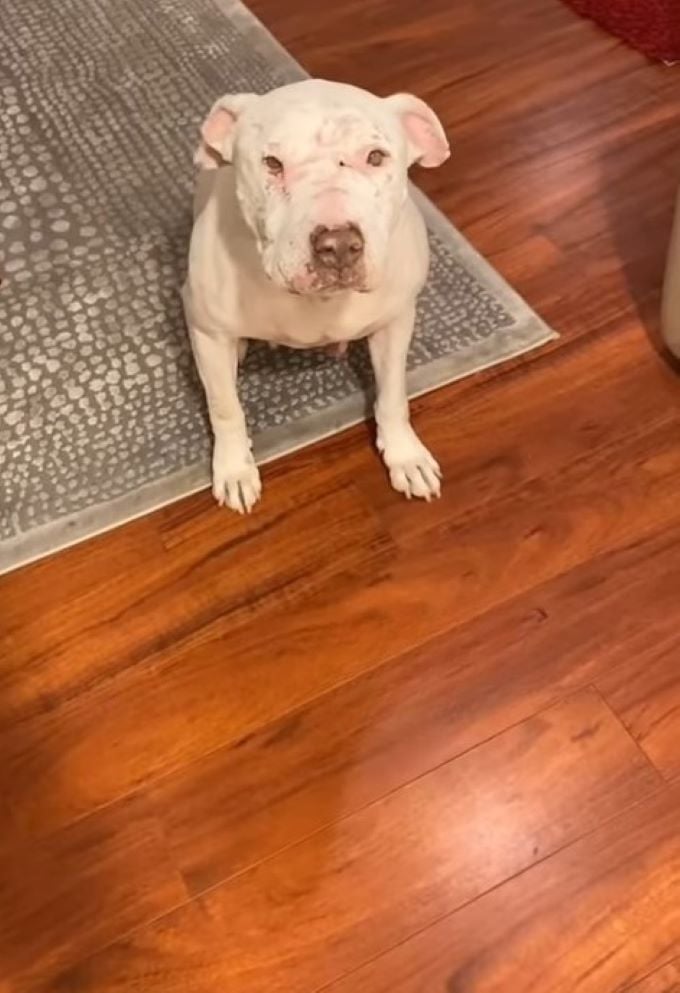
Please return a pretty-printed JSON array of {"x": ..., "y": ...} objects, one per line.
[
  {"x": 238, "y": 488},
  {"x": 413, "y": 470}
]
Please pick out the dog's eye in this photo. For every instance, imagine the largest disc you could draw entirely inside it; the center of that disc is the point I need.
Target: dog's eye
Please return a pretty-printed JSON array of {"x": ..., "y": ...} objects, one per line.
[
  {"x": 376, "y": 157},
  {"x": 274, "y": 165}
]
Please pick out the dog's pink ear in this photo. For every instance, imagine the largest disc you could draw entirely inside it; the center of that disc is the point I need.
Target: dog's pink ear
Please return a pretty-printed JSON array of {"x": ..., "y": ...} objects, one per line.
[
  {"x": 217, "y": 130},
  {"x": 427, "y": 144}
]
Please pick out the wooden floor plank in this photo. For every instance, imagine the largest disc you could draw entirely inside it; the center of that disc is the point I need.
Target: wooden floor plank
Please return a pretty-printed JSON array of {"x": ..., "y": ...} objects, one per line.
[
  {"x": 227, "y": 575},
  {"x": 247, "y": 800},
  {"x": 105, "y": 618},
  {"x": 645, "y": 693},
  {"x": 113, "y": 554},
  {"x": 594, "y": 918},
  {"x": 71, "y": 894},
  {"x": 303, "y": 918},
  {"x": 615, "y": 390},
  {"x": 217, "y": 691},
  {"x": 663, "y": 980}
]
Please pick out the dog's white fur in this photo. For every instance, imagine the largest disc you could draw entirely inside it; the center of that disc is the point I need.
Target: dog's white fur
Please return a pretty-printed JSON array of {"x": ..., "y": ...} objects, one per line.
[{"x": 300, "y": 160}]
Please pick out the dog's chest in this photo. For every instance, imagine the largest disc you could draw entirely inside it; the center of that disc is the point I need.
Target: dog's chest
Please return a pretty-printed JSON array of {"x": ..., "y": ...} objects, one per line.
[{"x": 306, "y": 323}]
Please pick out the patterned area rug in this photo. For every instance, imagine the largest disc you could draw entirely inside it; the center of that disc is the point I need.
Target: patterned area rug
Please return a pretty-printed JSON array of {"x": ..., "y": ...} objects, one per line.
[{"x": 101, "y": 415}]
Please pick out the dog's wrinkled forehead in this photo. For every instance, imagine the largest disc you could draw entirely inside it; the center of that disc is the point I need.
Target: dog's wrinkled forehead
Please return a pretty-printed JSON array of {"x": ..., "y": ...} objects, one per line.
[
  {"x": 314, "y": 112},
  {"x": 318, "y": 129},
  {"x": 302, "y": 121}
]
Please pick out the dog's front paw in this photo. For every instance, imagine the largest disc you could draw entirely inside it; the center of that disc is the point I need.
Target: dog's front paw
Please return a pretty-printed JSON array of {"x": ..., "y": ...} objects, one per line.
[
  {"x": 236, "y": 482},
  {"x": 413, "y": 470}
]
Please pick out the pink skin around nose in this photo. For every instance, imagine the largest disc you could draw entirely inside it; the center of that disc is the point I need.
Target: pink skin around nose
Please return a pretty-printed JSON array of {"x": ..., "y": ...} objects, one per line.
[
  {"x": 331, "y": 207},
  {"x": 332, "y": 200}
]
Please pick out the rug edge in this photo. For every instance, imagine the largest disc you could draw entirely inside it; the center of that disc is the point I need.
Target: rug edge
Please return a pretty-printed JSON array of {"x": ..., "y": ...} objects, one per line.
[{"x": 64, "y": 533}]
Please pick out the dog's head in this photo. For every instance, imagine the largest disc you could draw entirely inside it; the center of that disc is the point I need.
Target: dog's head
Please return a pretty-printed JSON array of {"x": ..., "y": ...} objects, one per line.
[{"x": 321, "y": 176}]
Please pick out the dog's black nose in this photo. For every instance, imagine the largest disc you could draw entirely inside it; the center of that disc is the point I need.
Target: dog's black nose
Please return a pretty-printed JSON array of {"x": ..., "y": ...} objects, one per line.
[{"x": 337, "y": 248}]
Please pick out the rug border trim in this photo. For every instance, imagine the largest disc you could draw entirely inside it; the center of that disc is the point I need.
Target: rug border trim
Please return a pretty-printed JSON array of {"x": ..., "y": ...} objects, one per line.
[{"x": 57, "y": 536}]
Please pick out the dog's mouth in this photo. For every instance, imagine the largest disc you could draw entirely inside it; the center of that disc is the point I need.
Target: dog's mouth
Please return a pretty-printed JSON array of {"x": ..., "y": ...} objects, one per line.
[
  {"x": 320, "y": 282},
  {"x": 315, "y": 280}
]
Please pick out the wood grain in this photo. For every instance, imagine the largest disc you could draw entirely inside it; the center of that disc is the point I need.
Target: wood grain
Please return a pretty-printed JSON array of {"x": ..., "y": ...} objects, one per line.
[
  {"x": 215, "y": 692},
  {"x": 245, "y": 801},
  {"x": 415, "y": 749},
  {"x": 219, "y": 674},
  {"x": 598, "y": 397},
  {"x": 324, "y": 906},
  {"x": 171, "y": 599},
  {"x": 66, "y": 896},
  {"x": 592, "y": 918},
  {"x": 646, "y": 695},
  {"x": 664, "y": 980}
]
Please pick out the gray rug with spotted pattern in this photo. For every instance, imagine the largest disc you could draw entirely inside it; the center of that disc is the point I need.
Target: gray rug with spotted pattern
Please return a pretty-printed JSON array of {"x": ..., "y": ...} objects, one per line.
[{"x": 101, "y": 415}]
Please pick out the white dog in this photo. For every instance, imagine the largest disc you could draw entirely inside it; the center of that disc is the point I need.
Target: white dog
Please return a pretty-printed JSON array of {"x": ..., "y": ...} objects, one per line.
[{"x": 311, "y": 239}]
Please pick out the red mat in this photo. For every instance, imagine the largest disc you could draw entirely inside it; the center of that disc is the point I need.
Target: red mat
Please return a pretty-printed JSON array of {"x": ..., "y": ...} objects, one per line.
[{"x": 652, "y": 26}]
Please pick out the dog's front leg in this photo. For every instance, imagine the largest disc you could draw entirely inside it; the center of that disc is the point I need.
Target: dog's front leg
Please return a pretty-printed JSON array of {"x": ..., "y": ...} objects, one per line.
[
  {"x": 236, "y": 480},
  {"x": 413, "y": 470}
]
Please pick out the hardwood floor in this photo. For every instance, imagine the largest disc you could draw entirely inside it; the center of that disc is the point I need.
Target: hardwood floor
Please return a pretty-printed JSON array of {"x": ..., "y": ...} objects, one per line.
[{"x": 356, "y": 744}]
